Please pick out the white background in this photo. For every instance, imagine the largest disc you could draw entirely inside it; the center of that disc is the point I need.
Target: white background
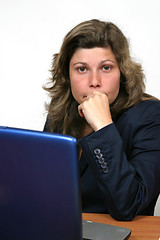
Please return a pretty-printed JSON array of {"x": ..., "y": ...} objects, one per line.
[{"x": 31, "y": 31}]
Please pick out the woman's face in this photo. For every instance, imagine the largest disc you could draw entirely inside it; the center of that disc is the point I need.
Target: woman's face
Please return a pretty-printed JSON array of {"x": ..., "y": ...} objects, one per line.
[{"x": 94, "y": 69}]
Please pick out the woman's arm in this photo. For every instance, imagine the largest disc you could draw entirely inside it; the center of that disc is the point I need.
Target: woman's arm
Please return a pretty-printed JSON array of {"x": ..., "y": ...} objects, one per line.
[{"x": 127, "y": 165}]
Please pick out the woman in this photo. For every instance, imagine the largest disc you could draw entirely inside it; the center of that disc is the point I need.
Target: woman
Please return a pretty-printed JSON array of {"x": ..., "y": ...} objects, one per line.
[{"x": 97, "y": 96}]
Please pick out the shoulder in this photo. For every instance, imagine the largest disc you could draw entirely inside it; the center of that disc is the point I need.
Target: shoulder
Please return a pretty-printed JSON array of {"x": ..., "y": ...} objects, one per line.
[
  {"x": 149, "y": 109},
  {"x": 144, "y": 113},
  {"x": 139, "y": 124}
]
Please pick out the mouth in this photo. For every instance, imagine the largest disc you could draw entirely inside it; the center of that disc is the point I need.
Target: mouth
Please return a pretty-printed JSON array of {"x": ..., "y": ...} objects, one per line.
[{"x": 84, "y": 98}]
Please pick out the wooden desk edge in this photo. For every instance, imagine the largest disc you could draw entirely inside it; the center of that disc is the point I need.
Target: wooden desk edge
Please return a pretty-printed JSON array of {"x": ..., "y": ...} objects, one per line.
[{"x": 142, "y": 227}]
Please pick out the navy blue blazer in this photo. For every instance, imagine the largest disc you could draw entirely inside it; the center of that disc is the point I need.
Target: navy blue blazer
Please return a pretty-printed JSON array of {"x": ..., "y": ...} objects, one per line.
[{"x": 120, "y": 164}]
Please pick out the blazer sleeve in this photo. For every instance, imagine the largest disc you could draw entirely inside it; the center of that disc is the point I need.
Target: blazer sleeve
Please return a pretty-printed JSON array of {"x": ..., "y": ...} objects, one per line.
[{"x": 127, "y": 165}]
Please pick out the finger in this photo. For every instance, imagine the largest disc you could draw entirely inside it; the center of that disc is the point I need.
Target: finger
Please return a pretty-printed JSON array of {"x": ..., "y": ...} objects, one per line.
[
  {"x": 80, "y": 111},
  {"x": 94, "y": 93}
]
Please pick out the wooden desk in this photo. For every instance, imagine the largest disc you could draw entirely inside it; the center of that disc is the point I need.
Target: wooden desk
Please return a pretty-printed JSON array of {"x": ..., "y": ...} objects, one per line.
[{"x": 143, "y": 227}]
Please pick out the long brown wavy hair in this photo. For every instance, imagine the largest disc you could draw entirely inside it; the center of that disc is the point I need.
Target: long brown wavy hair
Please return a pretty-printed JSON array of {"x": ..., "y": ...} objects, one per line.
[{"x": 62, "y": 110}]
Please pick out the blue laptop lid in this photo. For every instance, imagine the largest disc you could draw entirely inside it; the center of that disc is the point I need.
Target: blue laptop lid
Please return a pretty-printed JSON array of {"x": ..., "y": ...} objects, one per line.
[{"x": 39, "y": 186}]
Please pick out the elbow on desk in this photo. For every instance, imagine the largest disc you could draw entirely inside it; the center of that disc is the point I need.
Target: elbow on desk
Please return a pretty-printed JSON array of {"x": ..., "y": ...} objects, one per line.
[
  {"x": 122, "y": 215},
  {"x": 128, "y": 213}
]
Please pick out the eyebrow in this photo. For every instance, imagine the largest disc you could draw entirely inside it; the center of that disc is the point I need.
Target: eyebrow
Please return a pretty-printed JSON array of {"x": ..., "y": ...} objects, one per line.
[
  {"x": 108, "y": 60},
  {"x": 84, "y": 63}
]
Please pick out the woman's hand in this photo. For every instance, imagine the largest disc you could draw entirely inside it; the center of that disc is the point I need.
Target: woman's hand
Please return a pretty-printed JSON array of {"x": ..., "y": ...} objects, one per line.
[{"x": 95, "y": 109}]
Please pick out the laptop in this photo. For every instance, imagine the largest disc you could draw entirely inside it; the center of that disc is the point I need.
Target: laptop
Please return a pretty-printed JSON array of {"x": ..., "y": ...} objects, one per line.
[
  {"x": 40, "y": 188},
  {"x": 101, "y": 231}
]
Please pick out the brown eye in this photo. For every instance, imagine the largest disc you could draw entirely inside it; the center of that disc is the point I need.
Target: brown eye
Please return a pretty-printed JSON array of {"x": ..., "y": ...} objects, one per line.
[
  {"x": 107, "y": 68},
  {"x": 81, "y": 69}
]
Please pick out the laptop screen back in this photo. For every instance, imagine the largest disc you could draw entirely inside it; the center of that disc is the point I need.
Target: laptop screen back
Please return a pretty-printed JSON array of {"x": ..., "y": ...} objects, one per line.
[{"x": 39, "y": 186}]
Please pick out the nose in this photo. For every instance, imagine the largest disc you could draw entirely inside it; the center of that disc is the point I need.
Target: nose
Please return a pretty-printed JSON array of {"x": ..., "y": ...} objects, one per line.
[{"x": 95, "y": 81}]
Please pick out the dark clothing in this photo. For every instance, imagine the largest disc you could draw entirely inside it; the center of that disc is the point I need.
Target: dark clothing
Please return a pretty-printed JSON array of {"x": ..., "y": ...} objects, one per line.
[{"x": 120, "y": 164}]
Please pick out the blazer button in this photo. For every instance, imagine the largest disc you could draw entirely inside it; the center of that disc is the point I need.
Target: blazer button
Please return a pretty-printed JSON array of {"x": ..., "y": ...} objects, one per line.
[
  {"x": 104, "y": 165},
  {"x": 99, "y": 156},
  {"x": 97, "y": 151},
  {"x": 101, "y": 160},
  {"x": 105, "y": 170}
]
